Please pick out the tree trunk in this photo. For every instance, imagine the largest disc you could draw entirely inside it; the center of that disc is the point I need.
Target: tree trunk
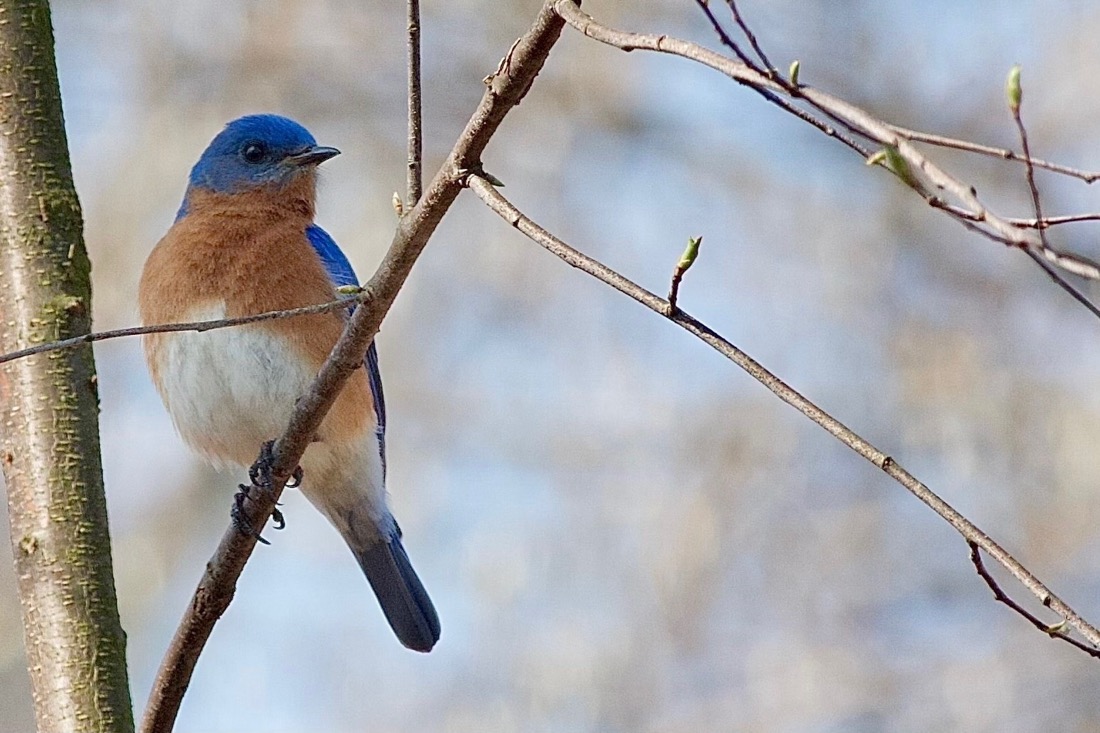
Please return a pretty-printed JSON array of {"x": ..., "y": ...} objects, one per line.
[{"x": 49, "y": 410}]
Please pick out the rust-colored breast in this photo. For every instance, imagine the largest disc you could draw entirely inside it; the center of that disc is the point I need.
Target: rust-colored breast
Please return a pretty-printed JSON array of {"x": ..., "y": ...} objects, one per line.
[{"x": 250, "y": 252}]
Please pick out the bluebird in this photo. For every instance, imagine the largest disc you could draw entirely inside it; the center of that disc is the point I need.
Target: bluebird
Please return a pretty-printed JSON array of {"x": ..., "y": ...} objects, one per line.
[{"x": 244, "y": 242}]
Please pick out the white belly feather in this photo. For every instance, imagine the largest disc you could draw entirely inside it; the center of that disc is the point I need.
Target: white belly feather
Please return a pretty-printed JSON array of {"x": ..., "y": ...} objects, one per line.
[{"x": 228, "y": 390}]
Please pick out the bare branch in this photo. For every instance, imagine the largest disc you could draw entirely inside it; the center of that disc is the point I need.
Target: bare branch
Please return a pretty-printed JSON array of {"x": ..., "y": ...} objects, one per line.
[
  {"x": 1053, "y": 631},
  {"x": 1051, "y": 221},
  {"x": 88, "y": 338},
  {"x": 1041, "y": 258},
  {"x": 1005, "y": 153},
  {"x": 928, "y": 179},
  {"x": 215, "y": 590},
  {"x": 1014, "y": 104},
  {"x": 737, "y": 18},
  {"x": 495, "y": 201},
  {"x": 414, "y": 185},
  {"x": 775, "y": 99}
]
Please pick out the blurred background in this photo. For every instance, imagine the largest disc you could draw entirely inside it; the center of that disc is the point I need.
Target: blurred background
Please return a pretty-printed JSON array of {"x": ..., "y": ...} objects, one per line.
[{"x": 620, "y": 530}]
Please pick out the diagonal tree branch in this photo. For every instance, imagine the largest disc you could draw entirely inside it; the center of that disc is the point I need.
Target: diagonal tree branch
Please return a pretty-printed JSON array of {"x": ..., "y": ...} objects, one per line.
[
  {"x": 506, "y": 88},
  {"x": 495, "y": 201}
]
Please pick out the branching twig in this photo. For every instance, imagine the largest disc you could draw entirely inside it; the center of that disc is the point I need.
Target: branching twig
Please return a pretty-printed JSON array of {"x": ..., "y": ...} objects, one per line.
[
  {"x": 727, "y": 41},
  {"x": 768, "y": 66},
  {"x": 414, "y": 184},
  {"x": 215, "y": 589},
  {"x": 1054, "y": 631},
  {"x": 927, "y": 179},
  {"x": 769, "y": 95},
  {"x": 172, "y": 327},
  {"x": 961, "y": 524},
  {"x": 1015, "y": 102}
]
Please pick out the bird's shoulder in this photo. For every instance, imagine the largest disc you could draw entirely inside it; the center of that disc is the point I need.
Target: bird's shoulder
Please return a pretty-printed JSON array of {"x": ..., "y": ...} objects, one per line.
[{"x": 336, "y": 263}]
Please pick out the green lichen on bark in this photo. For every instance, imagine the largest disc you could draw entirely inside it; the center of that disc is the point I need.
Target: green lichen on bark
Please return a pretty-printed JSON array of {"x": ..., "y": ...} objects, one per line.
[{"x": 49, "y": 433}]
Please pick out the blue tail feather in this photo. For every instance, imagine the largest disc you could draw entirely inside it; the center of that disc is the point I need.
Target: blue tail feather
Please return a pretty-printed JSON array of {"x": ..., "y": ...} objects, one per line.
[{"x": 401, "y": 594}]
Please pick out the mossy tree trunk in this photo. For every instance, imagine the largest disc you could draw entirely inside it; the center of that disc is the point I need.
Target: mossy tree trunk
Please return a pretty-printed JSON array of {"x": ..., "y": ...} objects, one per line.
[{"x": 49, "y": 411}]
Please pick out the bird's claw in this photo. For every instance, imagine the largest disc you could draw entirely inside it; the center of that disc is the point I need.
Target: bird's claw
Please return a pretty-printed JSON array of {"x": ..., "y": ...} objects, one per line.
[
  {"x": 295, "y": 479},
  {"x": 240, "y": 516},
  {"x": 259, "y": 473}
]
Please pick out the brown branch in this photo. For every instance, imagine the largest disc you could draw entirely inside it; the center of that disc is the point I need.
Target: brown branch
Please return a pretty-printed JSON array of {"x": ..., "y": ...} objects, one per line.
[
  {"x": 88, "y": 338},
  {"x": 414, "y": 184},
  {"x": 1054, "y": 631},
  {"x": 215, "y": 590},
  {"x": 834, "y": 427},
  {"x": 929, "y": 180}
]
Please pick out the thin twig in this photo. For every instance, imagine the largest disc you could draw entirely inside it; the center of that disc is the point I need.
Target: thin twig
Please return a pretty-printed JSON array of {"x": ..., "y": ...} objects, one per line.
[
  {"x": 1029, "y": 168},
  {"x": 88, "y": 338},
  {"x": 1051, "y": 221},
  {"x": 216, "y": 588},
  {"x": 414, "y": 184},
  {"x": 726, "y": 39},
  {"x": 1053, "y": 258},
  {"x": 768, "y": 66},
  {"x": 1000, "y": 595},
  {"x": 1005, "y": 153},
  {"x": 771, "y": 96},
  {"x": 495, "y": 201},
  {"x": 1040, "y": 257},
  {"x": 857, "y": 123}
]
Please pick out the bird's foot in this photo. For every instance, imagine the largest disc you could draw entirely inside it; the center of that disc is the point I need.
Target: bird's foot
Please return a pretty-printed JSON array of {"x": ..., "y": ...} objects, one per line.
[
  {"x": 259, "y": 473},
  {"x": 240, "y": 517}
]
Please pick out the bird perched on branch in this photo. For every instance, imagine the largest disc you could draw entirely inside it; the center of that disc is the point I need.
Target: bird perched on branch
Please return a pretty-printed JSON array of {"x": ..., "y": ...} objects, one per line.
[{"x": 244, "y": 242}]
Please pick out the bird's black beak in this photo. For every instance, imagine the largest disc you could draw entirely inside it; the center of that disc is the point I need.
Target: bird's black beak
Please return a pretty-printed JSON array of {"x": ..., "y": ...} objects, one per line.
[{"x": 312, "y": 156}]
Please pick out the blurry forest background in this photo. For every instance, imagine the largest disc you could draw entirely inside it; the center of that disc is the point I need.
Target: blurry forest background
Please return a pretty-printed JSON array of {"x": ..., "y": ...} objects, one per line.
[{"x": 621, "y": 531}]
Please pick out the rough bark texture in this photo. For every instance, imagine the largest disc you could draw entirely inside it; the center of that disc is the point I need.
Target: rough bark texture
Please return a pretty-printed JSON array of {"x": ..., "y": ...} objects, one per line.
[{"x": 49, "y": 432}]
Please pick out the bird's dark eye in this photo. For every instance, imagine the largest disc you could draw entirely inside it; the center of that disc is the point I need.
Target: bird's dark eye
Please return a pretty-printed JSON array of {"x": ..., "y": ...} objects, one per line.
[{"x": 253, "y": 152}]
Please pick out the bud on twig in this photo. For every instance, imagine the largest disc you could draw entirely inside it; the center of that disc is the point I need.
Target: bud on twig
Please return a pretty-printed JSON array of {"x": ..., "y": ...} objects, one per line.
[
  {"x": 687, "y": 259},
  {"x": 1013, "y": 91}
]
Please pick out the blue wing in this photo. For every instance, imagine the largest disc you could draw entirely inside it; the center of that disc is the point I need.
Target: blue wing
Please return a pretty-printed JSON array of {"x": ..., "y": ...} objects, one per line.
[{"x": 339, "y": 270}]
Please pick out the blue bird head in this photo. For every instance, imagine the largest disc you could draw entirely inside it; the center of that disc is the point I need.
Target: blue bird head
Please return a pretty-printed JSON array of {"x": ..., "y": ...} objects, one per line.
[{"x": 255, "y": 151}]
